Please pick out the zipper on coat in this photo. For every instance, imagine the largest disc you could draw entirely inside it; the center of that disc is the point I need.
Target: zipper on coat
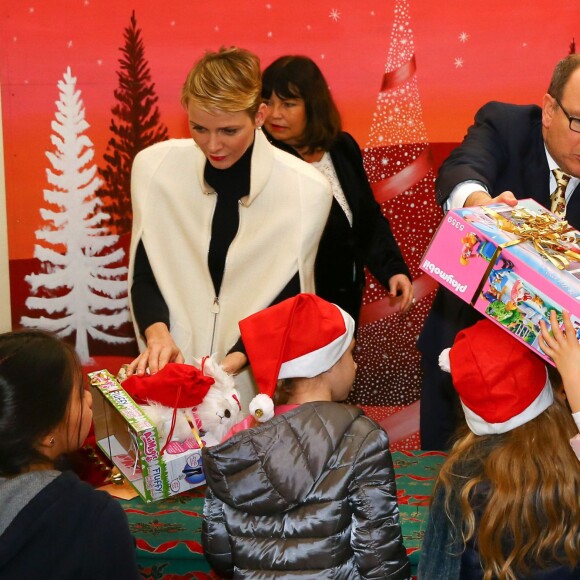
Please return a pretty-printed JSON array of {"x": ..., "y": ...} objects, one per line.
[{"x": 215, "y": 307}]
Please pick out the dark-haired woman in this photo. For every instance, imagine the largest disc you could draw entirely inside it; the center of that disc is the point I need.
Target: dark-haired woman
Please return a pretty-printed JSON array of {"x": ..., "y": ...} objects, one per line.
[
  {"x": 52, "y": 525},
  {"x": 303, "y": 118}
]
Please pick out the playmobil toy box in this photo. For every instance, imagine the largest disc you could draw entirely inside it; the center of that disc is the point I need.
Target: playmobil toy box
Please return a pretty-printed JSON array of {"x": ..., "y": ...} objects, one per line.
[
  {"x": 127, "y": 436},
  {"x": 513, "y": 264}
]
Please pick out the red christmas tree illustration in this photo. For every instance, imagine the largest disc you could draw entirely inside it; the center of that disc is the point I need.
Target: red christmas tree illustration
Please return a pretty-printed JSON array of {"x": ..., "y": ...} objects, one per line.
[
  {"x": 398, "y": 163},
  {"x": 135, "y": 125}
]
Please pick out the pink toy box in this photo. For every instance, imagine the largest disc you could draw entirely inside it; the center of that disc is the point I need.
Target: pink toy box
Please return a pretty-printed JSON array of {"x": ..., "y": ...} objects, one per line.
[
  {"x": 127, "y": 436},
  {"x": 514, "y": 265}
]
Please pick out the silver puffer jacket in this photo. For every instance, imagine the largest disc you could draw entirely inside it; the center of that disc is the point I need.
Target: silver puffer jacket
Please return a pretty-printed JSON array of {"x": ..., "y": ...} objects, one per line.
[{"x": 310, "y": 494}]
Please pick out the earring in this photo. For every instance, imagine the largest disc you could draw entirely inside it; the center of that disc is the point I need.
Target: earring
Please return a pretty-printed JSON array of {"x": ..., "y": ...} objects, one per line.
[
  {"x": 51, "y": 442},
  {"x": 259, "y": 127}
]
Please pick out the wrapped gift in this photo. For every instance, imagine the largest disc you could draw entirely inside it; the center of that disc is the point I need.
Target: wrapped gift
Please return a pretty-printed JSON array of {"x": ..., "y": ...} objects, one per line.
[
  {"x": 513, "y": 264},
  {"x": 127, "y": 436}
]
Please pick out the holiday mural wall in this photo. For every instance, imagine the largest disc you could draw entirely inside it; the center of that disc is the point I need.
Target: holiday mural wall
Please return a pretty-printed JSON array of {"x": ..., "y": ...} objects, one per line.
[{"x": 87, "y": 84}]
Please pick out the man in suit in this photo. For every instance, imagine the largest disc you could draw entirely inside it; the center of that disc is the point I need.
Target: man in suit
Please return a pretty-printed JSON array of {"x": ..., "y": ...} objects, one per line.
[{"x": 509, "y": 153}]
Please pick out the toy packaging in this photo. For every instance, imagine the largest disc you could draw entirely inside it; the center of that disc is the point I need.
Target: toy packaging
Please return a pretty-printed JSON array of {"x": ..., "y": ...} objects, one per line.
[
  {"x": 128, "y": 437},
  {"x": 513, "y": 264}
]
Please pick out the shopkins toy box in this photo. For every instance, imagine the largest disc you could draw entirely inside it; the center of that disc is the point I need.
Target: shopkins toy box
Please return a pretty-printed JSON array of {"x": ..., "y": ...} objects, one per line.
[
  {"x": 513, "y": 264},
  {"x": 126, "y": 435}
]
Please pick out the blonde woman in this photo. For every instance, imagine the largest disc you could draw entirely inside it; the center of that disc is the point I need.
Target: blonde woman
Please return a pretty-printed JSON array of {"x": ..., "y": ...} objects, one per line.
[{"x": 224, "y": 224}]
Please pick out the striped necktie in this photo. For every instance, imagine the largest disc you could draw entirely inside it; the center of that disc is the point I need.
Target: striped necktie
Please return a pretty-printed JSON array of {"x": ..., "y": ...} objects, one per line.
[{"x": 558, "y": 198}]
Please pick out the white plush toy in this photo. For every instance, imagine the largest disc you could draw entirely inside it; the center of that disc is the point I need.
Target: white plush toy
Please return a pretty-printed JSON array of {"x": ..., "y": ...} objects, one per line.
[{"x": 212, "y": 402}]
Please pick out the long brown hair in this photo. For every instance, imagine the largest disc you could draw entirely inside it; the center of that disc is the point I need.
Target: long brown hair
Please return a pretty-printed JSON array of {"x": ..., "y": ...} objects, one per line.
[{"x": 530, "y": 518}]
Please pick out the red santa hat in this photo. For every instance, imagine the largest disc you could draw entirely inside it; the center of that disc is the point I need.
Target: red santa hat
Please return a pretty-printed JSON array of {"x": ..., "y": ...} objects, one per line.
[
  {"x": 176, "y": 385},
  {"x": 303, "y": 336},
  {"x": 501, "y": 383}
]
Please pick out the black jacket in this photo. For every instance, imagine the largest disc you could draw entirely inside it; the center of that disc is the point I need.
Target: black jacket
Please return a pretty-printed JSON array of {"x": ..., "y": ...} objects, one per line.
[
  {"x": 310, "y": 493},
  {"x": 344, "y": 251},
  {"x": 69, "y": 531},
  {"x": 504, "y": 149}
]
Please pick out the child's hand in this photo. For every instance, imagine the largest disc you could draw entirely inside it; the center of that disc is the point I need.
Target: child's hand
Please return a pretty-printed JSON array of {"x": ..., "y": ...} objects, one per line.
[{"x": 563, "y": 348}]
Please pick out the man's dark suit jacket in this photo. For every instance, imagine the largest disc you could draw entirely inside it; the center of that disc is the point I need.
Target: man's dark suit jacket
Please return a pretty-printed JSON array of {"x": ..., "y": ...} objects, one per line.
[{"x": 504, "y": 150}]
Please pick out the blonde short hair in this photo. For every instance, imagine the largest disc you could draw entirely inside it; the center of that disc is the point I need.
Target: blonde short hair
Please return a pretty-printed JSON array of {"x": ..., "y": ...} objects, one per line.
[{"x": 227, "y": 80}]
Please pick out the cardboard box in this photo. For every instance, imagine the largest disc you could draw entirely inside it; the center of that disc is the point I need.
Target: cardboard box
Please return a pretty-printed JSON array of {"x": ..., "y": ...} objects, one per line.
[
  {"x": 479, "y": 255},
  {"x": 126, "y": 435}
]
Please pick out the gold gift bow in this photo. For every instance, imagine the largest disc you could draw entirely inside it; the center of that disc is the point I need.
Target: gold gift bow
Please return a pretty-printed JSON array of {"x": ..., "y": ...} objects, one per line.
[{"x": 545, "y": 231}]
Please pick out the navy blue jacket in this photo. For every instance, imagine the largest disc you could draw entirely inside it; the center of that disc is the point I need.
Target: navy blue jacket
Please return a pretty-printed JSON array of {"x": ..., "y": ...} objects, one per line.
[{"x": 69, "y": 531}]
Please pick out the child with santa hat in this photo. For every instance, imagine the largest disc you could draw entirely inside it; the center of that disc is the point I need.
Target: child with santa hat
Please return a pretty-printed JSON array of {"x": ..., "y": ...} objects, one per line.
[
  {"x": 505, "y": 503},
  {"x": 310, "y": 489}
]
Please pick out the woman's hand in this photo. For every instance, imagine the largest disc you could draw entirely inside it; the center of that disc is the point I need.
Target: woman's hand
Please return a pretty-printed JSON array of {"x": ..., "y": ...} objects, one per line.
[
  {"x": 401, "y": 287},
  {"x": 234, "y": 362},
  {"x": 563, "y": 348},
  {"x": 161, "y": 349}
]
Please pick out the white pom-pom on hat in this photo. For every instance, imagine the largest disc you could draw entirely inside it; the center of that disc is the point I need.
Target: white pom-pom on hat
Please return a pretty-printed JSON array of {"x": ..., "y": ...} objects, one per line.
[
  {"x": 444, "y": 362},
  {"x": 261, "y": 408}
]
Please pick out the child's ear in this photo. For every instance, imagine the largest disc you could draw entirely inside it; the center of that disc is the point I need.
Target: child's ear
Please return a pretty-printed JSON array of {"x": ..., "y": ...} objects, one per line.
[
  {"x": 48, "y": 441},
  {"x": 47, "y": 446}
]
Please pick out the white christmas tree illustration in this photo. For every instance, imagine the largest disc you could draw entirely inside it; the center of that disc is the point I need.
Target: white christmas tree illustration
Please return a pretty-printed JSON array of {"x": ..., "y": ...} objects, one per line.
[{"x": 82, "y": 287}]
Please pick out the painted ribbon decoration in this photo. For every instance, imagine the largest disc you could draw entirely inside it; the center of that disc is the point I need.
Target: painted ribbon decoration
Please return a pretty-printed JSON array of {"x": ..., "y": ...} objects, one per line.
[{"x": 399, "y": 76}]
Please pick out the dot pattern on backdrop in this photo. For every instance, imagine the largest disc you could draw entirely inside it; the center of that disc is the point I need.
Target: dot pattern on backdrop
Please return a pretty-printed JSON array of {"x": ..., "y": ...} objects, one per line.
[{"x": 389, "y": 363}]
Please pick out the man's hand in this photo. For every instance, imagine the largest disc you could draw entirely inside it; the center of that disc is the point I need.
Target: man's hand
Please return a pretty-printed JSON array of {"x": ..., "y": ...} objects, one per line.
[{"x": 483, "y": 198}]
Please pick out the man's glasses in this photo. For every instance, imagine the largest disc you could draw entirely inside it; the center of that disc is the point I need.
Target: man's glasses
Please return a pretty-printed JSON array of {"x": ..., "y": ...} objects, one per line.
[{"x": 574, "y": 121}]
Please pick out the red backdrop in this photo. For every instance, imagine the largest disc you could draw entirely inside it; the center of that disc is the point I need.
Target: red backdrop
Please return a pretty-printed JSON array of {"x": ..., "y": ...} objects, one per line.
[{"x": 433, "y": 64}]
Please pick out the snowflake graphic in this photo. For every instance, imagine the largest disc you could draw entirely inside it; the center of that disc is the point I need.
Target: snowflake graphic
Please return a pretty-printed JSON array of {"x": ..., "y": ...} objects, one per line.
[
  {"x": 463, "y": 37},
  {"x": 334, "y": 14},
  {"x": 458, "y": 62}
]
